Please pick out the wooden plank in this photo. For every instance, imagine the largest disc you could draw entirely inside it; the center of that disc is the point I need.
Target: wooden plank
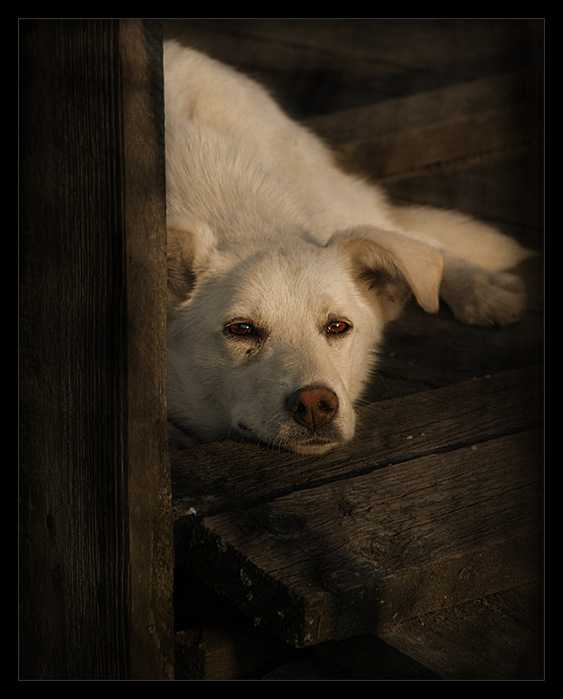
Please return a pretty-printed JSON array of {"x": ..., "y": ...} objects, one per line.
[
  {"x": 470, "y": 147},
  {"x": 149, "y": 485},
  {"x": 349, "y": 558},
  {"x": 499, "y": 637},
  {"x": 232, "y": 650},
  {"x": 95, "y": 556},
  {"x": 320, "y": 66},
  {"x": 437, "y": 107},
  {"x": 315, "y": 549},
  {"x": 213, "y": 641},
  {"x": 442, "y": 143},
  {"x": 226, "y": 475}
]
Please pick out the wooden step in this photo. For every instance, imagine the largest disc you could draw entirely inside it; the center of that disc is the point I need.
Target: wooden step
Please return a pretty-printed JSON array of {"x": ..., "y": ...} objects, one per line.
[
  {"x": 499, "y": 637},
  {"x": 437, "y": 502}
]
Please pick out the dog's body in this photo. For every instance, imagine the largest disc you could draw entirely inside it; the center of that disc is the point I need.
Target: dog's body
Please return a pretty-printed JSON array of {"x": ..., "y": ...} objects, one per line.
[{"x": 284, "y": 270}]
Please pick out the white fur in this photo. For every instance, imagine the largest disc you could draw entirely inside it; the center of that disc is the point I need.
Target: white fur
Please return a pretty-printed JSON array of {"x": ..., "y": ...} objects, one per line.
[{"x": 264, "y": 229}]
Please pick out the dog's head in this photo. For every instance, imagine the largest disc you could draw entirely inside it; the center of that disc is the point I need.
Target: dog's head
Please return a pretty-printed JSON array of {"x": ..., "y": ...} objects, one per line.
[{"x": 276, "y": 344}]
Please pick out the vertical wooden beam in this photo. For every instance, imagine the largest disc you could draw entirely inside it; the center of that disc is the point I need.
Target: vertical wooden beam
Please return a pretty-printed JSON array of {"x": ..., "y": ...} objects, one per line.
[
  {"x": 149, "y": 472},
  {"x": 96, "y": 542}
]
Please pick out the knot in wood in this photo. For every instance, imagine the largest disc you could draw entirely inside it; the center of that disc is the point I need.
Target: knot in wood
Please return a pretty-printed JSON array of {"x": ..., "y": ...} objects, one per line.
[{"x": 278, "y": 524}]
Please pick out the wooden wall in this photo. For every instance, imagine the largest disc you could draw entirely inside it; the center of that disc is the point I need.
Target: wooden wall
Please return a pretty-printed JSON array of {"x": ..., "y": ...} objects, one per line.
[{"x": 95, "y": 529}]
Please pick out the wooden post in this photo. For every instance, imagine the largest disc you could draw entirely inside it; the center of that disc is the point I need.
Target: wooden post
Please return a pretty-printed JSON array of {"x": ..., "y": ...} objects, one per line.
[{"x": 96, "y": 538}]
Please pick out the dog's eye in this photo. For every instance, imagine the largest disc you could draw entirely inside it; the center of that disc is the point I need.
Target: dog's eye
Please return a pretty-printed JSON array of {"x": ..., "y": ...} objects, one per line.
[
  {"x": 241, "y": 329},
  {"x": 337, "y": 327}
]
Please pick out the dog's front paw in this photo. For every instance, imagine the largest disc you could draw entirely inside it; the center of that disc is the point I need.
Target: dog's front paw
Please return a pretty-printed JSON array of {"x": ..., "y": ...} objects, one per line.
[{"x": 487, "y": 298}]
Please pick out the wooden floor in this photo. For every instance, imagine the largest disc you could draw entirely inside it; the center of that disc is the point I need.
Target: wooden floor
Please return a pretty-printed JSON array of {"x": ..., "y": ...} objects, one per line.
[{"x": 416, "y": 551}]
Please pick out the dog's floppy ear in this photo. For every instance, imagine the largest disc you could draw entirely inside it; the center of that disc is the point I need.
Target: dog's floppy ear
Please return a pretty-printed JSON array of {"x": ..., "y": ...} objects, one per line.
[
  {"x": 394, "y": 265},
  {"x": 188, "y": 248}
]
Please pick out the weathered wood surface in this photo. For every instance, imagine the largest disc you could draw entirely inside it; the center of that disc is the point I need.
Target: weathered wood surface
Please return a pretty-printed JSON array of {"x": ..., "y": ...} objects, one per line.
[
  {"x": 227, "y": 650},
  {"x": 446, "y": 113},
  {"x": 95, "y": 527},
  {"x": 229, "y": 475},
  {"x": 443, "y": 506},
  {"x": 496, "y": 637},
  {"x": 323, "y": 66},
  {"x": 439, "y": 126}
]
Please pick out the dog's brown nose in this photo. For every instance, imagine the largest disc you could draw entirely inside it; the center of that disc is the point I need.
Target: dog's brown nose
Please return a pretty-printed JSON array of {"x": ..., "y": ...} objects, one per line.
[{"x": 313, "y": 407}]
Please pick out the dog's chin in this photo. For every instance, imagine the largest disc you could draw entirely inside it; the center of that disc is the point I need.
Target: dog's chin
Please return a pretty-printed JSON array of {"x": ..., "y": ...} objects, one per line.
[
  {"x": 299, "y": 445},
  {"x": 314, "y": 448}
]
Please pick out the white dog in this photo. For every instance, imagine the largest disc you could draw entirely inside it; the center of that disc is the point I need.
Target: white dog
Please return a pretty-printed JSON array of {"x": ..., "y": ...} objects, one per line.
[{"x": 284, "y": 270}]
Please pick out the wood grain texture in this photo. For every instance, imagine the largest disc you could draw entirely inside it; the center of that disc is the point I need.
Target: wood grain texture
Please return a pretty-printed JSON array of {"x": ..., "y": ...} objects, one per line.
[
  {"x": 89, "y": 570},
  {"x": 356, "y": 543},
  {"x": 497, "y": 637},
  {"x": 150, "y": 523},
  {"x": 227, "y": 475}
]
